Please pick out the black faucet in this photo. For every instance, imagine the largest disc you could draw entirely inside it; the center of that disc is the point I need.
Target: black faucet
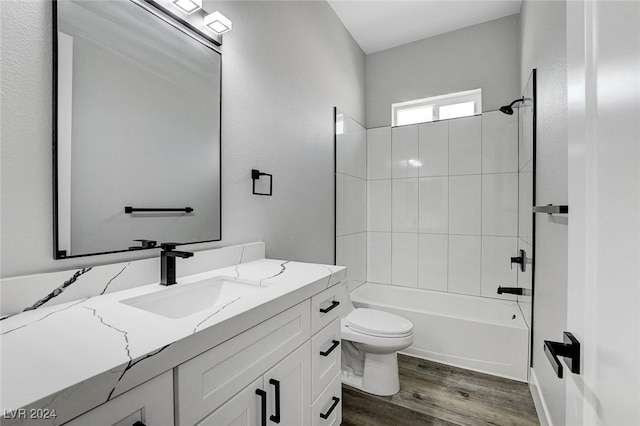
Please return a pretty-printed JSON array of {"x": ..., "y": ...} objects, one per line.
[{"x": 168, "y": 262}]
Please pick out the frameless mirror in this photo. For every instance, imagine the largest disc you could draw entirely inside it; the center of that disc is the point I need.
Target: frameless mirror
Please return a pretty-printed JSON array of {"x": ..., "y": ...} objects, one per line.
[{"x": 137, "y": 130}]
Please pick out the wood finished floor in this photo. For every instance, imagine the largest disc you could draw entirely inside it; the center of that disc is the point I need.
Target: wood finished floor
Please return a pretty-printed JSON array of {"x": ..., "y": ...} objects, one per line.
[{"x": 438, "y": 394}]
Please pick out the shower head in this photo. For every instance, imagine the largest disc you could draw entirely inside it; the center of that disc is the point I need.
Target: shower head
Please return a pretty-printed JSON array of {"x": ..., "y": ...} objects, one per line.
[{"x": 508, "y": 109}]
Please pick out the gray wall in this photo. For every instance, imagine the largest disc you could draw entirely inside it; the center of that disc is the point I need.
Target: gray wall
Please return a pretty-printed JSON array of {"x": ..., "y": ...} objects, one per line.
[
  {"x": 285, "y": 65},
  {"x": 482, "y": 56},
  {"x": 543, "y": 40}
]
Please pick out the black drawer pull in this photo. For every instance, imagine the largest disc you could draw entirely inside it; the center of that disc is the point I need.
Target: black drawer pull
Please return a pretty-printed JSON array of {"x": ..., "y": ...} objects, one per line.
[
  {"x": 139, "y": 423},
  {"x": 334, "y": 304},
  {"x": 333, "y": 346},
  {"x": 326, "y": 415},
  {"x": 263, "y": 406},
  {"x": 276, "y": 384}
]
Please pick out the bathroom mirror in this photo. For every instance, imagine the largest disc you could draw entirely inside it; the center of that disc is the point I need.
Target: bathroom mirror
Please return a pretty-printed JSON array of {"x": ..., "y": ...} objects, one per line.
[
  {"x": 136, "y": 127},
  {"x": 526, "y": 194}
]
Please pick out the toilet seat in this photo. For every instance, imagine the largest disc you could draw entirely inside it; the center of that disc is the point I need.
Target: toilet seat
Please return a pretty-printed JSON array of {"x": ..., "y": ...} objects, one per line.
[{"x": 376, "y": 323}]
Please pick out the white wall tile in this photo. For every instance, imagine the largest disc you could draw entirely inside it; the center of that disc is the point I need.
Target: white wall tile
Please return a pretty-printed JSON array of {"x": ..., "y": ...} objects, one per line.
[
  {"x": 341, "y": 253},
  {"x": 350, "y": 252},
  {"x": 351, "y": 204},
  {"x": 351, "y": 149},
  {"x": 496, "y": 266},
  {"x": 525, "y": 136},
  {"x": 404, "y": 210},
  {"x": 432, "y": 261},
  {"x": 433, "y": 148},
  {"x": 500, "y": 204},
  {"x": 340, "y": 211},
  {"x": 433, "y": 201},
  {"x": 379, "y": 257},
  {"x": 464, "y": 264},
  {"x": 525, "y": 282},
  {"x": 361, "y": 153},
  {"x": 525, "y": 202},
  {"x": 379, "y": 153},
  {"x": 524, "y": 278},
  {"x": 404, "y": 151},
  {"x": 379, "y": 205},
  {"x": 404, "y": 259},
  {"x": 499, "y": 142},
  {"x": 465, "y": 205},
  {"x": 465, "y": 147},
  {"x": 341, "y": 154}
]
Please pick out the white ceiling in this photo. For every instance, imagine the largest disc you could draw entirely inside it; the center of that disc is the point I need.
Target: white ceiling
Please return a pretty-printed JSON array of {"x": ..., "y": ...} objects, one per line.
[{"x": 379, "y": 25}]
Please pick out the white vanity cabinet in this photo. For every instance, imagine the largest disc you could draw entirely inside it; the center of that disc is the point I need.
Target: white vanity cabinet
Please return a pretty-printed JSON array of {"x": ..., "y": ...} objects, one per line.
[
  {"x": 274, "y": 373},
  {"x": 207, "y": 381},
  {"x": 284, "y": 371},
  {"x": 150, "y": 404},
  {"x": 281, "y": 396}
]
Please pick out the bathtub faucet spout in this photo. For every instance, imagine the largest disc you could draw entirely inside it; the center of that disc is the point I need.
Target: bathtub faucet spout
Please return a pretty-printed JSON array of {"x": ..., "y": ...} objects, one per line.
[{"x": 511, "y": 290}]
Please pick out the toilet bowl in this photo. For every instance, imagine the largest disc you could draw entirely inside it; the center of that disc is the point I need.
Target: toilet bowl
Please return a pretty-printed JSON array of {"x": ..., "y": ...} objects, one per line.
[{"x": 370, "y": 340}]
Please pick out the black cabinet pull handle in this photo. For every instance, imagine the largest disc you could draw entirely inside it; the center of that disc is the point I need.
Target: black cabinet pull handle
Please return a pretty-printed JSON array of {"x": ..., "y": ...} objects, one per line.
[
  {"x": 326, "y": 415},
  {"x": 334, "y": 304},
  {"x": 569, "y": 349},
  {"x": 276, "y": 383},
  {"x": 333, "y": 346},
  {"x": 139, "y": 423},
  {"x": 263, "y": 406}
]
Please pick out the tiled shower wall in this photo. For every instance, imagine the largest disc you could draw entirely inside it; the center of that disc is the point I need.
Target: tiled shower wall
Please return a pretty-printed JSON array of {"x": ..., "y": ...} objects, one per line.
[
  {"x": 351, "y": 198},
  {"x": 442, "y": 204}
]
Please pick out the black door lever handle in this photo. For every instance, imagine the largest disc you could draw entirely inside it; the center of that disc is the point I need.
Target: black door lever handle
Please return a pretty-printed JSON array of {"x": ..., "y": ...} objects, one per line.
[{"x": 569, "y": 350}]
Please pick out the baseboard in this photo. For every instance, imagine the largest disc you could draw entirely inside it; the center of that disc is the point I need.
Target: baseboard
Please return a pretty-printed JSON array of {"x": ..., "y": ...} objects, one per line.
[{"x": 538, "y": 400}]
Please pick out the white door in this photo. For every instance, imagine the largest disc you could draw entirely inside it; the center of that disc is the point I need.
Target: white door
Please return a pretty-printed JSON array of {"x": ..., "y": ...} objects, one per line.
[
  {"x": 290, "y": 378},
  {"x": 604, "y": 200}
]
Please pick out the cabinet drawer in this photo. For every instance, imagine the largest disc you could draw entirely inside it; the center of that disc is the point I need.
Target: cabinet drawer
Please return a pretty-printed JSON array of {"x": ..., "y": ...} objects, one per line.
[
  {"x": 150, "y": 403},
  {"x": 325, "y": 307},
  {"x": 325, "y": 357},
  {"x": 331, "y": 397},
  {"x": 208, "y": 380}
]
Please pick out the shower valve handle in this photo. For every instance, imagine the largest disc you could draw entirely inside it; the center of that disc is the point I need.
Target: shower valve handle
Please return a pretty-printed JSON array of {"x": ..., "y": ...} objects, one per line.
[{"x": 522, "y": 260}]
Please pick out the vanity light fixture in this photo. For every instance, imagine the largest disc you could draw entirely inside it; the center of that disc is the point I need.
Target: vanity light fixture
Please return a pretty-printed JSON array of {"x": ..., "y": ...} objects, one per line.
[
  {"x": 414, "y": 163},
  {"x": 188, "y": 6},
  {"x": 217, "y": 22}
]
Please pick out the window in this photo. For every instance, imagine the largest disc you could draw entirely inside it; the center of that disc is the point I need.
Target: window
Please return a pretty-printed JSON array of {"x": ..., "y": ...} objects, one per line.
[{"x": 453, "y": 105}]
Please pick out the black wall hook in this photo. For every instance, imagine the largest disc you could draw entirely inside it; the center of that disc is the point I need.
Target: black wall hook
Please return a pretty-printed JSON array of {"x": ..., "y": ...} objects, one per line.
[{"x": 255, "y": 175}]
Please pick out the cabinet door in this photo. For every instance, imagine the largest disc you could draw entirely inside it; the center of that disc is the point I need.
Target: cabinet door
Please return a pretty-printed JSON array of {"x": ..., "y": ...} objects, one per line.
[
  {"x": 150, "y": 403},
  {"x": 291, "y": 378},
  {"x": 244, "y": 409},
  {"x": 207, "y": 381}
]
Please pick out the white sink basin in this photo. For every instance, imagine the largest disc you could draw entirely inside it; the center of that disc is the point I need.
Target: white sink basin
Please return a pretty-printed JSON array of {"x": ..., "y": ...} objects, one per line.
[{"x": 181, "y": 300}]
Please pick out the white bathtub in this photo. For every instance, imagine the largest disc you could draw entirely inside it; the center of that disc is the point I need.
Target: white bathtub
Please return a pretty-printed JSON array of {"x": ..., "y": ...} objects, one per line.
[{"x": 481, "y": 334}]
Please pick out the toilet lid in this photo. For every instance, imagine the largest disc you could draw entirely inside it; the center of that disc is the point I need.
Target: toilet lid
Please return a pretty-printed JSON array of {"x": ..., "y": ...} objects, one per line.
[{"x": 378, "y": 323}]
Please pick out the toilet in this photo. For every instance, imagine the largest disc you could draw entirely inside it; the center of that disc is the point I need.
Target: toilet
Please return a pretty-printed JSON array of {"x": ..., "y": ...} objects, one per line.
[{"x": 370, "y": 340}]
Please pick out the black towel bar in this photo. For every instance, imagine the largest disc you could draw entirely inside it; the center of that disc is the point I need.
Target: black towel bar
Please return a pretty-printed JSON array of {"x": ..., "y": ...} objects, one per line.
[{"x": 129, "y": 209}]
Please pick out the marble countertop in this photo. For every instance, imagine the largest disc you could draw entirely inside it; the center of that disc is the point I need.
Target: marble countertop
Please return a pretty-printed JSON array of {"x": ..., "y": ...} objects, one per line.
[{"x": 75, "y": 356}]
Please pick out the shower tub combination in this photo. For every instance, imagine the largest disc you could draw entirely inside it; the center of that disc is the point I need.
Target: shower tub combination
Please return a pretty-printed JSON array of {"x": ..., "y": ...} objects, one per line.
[{"x": 481, "y": 334}]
